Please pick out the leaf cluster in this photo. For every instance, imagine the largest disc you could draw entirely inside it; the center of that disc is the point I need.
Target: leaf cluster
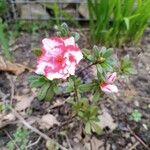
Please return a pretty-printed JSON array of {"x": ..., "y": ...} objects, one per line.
[
  {"x": 88, "y": 114},
  {"x": 47, "y": 88},
  {"x": 20, "y": 138},
  {"x": 64, "y": 31}
]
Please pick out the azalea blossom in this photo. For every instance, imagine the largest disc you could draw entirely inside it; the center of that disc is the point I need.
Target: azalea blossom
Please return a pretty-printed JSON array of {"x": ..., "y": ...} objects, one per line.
[
  {"x": 59, "y": 58},
  {"x": 108, "y": 86}
]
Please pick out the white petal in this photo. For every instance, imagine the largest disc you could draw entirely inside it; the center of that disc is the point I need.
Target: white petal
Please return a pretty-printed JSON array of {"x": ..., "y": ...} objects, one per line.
[
  {"x": 40, "y": 68},
  {"x": 56, "y": 75},
  {"x": 49, "y": 44},
  {"x": 71, "y": 69},
  {"x": 69, "y": 41}
]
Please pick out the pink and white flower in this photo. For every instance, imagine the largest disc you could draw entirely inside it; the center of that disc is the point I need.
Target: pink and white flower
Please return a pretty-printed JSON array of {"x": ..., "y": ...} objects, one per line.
[
  {"x": 108, "y": 86},
  {"x": 60, "y": 56}
]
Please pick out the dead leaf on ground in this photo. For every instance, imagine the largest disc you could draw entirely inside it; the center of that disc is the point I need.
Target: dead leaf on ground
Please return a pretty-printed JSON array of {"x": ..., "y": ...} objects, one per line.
[
  {"x": 106, "y": 120},
  {"x": 6, "y": 119},
  {"x": 14, "y": 68},
  {"x": 47, "y": 121},
  {"x": 96, "y": 144},
  {"x": 50, "y": 145},
  {"x": 130, "y": 94},
  {"x": 24, "y": 101}
]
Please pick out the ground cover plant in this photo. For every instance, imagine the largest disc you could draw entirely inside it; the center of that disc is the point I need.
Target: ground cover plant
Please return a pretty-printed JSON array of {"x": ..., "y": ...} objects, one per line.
[{"x": 114, "y": 23}]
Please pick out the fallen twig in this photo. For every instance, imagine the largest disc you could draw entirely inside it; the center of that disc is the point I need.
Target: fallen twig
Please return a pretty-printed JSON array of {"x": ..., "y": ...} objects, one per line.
[
  {"x": 134, "y": 146},
  {"x": 12, "y": 87},
  {"x": 34, "y": 143},
  {"x": 23, "y": 121},
  {"x": 138, "y": 138}
]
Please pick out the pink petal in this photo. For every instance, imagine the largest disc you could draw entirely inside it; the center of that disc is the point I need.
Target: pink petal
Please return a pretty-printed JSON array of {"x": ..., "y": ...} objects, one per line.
[
  {"x": 109, "y": 88},
  {"x": 111, "y": 77}
]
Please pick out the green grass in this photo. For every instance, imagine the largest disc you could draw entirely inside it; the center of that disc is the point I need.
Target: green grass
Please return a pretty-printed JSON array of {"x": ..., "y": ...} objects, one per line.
[
  {"x": 4, "y": 41},
  {"x": 115, "y": 22}
]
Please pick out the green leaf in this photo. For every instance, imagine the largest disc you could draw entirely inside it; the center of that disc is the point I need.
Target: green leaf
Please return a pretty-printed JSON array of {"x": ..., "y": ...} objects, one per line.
[
  {"x": 99, "y": 68},
  {"x": 126, "y": 66},
  {"x": 49, "y": 94},
  {"x": 126, "y": 20},
  {"x": 106, "y": 66},
  {"x": 108, "y": 53},
  {"x": 34, "y": 77},
  {"x": 136, "y": 116},
  {"x": 56, "y": 89},
  {"x": 86, "y": 87},
  {"x": 37, "y": 83},
  {"x": 103, "y": 50},
  {"x": 43, "y": 91},
  {"x": 37, "y": 52},
  {"x": 96, "y": 95},
  {"x": 75, "y": 35},
  {"x": 88, "y": 128},
  {"x": 96, "y": 51},
  {"x": 64, "y": 26},
  {"x": 96, "y": 127},
  {"x": 87, "y": 55}
]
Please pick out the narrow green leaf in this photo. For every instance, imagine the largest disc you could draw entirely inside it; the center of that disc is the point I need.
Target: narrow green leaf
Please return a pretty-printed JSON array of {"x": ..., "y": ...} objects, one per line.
[
  {"x": 96, "y": 95},
  {"x": 126, "y": 20},
  {"x": 99, "y": 68},
  {"x": 108, "y": 53},
  {"x": 86, "y": 87}
]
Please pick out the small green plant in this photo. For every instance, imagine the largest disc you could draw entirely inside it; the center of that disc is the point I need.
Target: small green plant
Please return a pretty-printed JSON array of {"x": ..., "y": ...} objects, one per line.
[
  {"x": 20, "y": 139},
  {"x": 56, "y": 64},
  {"x": 136, "y": 115},
  {"x": 4, "y": 41},
  {"x": 61, "y": 14},
  {"x": 28, "y": 26},
  {"x": 115, "y": 22},
  {"x": 3, "y": 7},
  {"x": 126, "y": 65}
]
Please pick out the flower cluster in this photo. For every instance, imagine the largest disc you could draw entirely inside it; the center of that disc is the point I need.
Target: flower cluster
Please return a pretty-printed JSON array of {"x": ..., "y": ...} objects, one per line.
[{"x": 59, "y": 58}]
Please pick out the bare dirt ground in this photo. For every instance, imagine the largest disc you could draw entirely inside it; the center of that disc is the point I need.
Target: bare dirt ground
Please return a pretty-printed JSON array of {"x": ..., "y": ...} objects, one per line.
[{"x": 119, "y": 133}]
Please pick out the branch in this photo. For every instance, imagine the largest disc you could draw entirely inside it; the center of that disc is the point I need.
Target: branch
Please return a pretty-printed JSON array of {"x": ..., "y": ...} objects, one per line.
[
  {"x": 78, "y": 72},
  {"x": 138, "y": 138}
]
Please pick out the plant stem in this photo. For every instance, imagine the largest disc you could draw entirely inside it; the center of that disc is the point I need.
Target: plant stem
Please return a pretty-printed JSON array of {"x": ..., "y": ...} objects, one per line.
[
  {"x": 75, "y": 91},
  {"x": 86, "y": 68}
]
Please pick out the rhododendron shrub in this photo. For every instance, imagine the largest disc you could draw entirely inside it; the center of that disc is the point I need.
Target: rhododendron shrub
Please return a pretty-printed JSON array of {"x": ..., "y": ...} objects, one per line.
[{"x": 57, "y": 72}]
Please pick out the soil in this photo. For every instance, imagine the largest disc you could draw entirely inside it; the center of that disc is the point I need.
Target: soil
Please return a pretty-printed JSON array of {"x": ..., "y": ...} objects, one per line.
[{"x": 134, "y": 94}]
